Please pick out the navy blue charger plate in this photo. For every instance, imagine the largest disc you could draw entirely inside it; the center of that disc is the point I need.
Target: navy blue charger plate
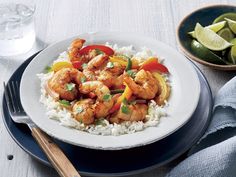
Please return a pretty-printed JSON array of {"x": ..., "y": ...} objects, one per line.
[{"x": 92, "y": 162}]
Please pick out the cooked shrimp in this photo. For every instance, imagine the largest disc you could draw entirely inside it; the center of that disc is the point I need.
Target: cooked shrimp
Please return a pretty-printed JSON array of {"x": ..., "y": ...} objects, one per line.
[
  {"x": 97, "y": 70},
  {"x": 92, "y": 70},
  {"x": 144, "y": 84},
  {"x": 102, "y": 108},
  {"x": 112, "y": 77},
  {"x": 96, "y": 87},
  {"x": 90, "y": 75},
  {"x": 60, "y": 80},
  {"x": 97, "y": 62},
  {"x": 116, "y": 70},
  {"x": 135, "y": 62},
  {"x": 75, "y": 47},
  {"x": 115, "y": 119},
  {"x": 92, "y": 53},
  {"x": 106, "y": 78},
  {"x": 110, "y": 81},
  {"x": 139, "y": 112},
  {"x": 83, "y": 111},
  {"x": 77, "y": 43},
  {"x": 135, "y": 112},
  {"x": 118, "y": 82}
]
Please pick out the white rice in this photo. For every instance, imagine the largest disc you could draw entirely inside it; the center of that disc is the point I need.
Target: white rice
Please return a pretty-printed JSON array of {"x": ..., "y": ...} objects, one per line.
[{"x": 57, "y": 112}]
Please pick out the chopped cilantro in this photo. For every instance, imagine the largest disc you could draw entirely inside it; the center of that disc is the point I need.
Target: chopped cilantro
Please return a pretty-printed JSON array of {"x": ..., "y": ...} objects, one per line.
[
  {"x": 100, "y": 122},
  {"x": 84, "y": 65},
  {"x": 81, "y": 121},
  {"x": 48, "y": 69},
  {"x": 83, "y": 79},
  {"x": 79, "y": 109},
  {"x": 131, "y": 73},
  {"x": 98, "y": 52},
  {"x": 107, "y": 97},
  {"x": 125, "y": 101},
  {"x": 110, "y": 65},
  {"x": 70, "y": 86},
  {"x": 125, "y": 109},
  {"x": 64, "y": 102}
]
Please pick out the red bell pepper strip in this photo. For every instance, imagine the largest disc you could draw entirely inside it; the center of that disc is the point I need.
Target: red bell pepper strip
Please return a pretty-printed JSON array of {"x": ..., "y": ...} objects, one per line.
[
  {"x": 153, "y": 65},
  {"x": 77, "y": 64},
  {"x": 103, "y": 48},
  {"x": 115, "y": 108}
]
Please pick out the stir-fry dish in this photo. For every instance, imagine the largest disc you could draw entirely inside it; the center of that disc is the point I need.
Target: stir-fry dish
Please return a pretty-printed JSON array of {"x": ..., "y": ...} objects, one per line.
[{"x": 98, "y": 86}]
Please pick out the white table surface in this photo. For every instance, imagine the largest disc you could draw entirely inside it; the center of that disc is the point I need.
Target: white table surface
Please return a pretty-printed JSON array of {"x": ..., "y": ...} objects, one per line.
[{"x": 59, "y": 19}]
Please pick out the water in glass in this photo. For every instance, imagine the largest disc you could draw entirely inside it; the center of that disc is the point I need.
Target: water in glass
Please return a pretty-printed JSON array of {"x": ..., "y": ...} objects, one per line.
[{"x": 17, "y": 33}]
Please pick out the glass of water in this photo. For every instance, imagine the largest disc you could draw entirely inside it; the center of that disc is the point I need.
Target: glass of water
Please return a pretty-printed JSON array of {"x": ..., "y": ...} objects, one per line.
[{"x": 17, "y": 31}]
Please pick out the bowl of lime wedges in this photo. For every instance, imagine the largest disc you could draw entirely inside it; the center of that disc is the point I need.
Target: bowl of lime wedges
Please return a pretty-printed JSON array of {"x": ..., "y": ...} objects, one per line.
[{"x": 208, "y": 36}]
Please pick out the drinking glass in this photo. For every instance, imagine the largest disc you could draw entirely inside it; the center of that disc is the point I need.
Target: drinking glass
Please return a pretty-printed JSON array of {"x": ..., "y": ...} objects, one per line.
[{"x": 17, "y": 31}]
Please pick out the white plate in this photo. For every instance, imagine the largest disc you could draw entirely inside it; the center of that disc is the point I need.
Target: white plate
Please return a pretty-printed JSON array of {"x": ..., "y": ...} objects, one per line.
[{"x": 184, "y": 98}]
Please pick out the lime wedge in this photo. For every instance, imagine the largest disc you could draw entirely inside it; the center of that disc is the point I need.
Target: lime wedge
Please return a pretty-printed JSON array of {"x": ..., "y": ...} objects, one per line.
[
  {"x": 222, "y": 17},
  {"x": 232, "y": 55},
  {"x": 233, "y": 41},
  {"x": 210, "y": 39},
  {"x": 215, "y": 27},
  {"x": 232, "y": 24},
  {"x": 205, "y": 54},
  {"x": 226, "y": 33}
]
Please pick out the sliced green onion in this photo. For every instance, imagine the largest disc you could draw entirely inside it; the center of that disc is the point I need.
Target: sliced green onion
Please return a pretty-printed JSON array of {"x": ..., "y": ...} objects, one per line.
[
  {"x": 129, "y": 65},
  {"x": 117, "y": 91},
  {"x": 125, "y": 101},
  {"x": 100, "y": 122},
  {"x": 64, "y": 102},
  {"x": 81, "y": 121},
  {"x": 48, "y": 69},
  {"x": 131, "y": 73}
]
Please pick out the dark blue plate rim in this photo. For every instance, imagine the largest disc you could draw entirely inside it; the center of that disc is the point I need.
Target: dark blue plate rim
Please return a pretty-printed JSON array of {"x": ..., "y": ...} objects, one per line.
[{"x": 182, "y": 151}]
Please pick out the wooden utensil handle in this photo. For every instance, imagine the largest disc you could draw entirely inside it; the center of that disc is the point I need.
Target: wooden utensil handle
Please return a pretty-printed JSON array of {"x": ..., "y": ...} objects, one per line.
[{"x": 54, "y": 154}]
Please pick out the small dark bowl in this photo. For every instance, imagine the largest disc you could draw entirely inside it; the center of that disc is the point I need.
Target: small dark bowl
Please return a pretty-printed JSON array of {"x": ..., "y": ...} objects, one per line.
[{"x": 205, "y": 16}]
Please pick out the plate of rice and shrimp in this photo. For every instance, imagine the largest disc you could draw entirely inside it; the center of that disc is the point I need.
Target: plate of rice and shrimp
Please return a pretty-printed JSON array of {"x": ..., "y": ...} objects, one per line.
[{"x": 109, "y": 90}]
